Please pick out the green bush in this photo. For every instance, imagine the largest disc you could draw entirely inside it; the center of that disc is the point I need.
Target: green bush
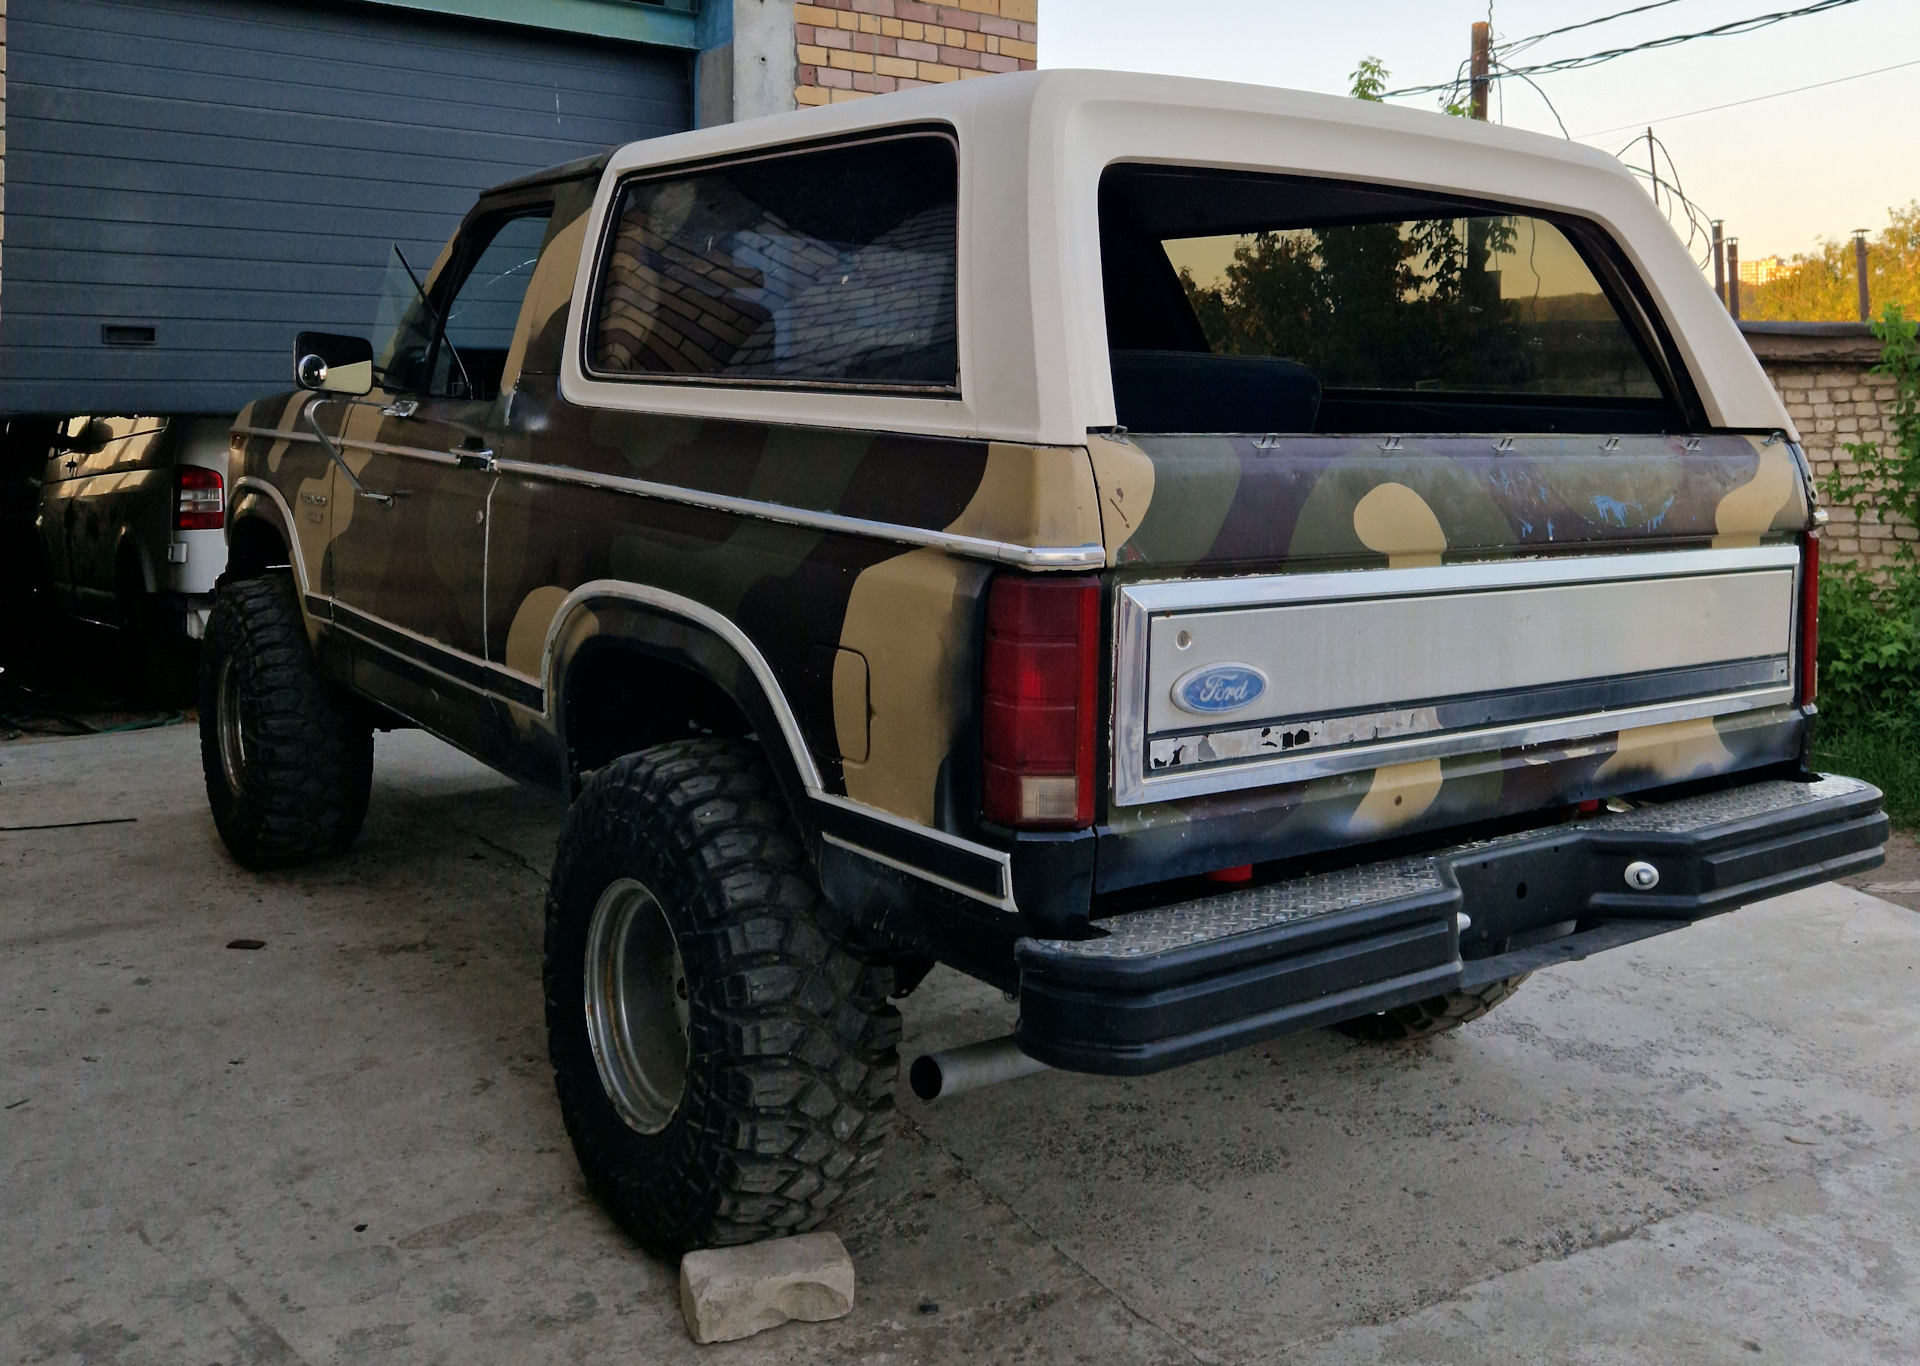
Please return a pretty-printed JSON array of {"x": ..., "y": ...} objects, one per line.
[
  {"x": 1884, "y": 759},
  {"x": 1870, "y": 620},
  {"x": 1870, "y": 648}
]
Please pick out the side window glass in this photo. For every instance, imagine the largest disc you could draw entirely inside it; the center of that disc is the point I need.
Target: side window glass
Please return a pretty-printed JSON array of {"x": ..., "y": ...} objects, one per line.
[
  {"x": 485, "y": 308},
  {"x": 835, "y": 266},
  {"x": 411, "y": 353},
  {"x": 97, "y": 445},
  {"x": 404, "y": 328}
]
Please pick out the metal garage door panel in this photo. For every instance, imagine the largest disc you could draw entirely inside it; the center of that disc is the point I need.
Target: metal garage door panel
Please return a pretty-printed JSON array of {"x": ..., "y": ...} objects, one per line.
[{"x": 226, "y": 172}]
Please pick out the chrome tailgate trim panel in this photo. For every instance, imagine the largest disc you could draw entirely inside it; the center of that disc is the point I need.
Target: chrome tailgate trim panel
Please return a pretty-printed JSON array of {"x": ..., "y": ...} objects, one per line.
[{"x": 1379, "y": 666}]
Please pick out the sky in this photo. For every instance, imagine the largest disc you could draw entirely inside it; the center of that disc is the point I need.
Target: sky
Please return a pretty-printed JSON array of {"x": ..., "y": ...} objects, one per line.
[{"x": 1781, "y": 172}]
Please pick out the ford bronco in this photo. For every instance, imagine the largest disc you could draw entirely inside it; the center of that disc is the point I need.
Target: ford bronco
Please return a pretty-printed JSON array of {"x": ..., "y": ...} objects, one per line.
[{"x": 1209, "y": 561}]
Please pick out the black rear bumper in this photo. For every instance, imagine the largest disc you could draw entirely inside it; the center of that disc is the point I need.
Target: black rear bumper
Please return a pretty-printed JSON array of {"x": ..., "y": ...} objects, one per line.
[{"x": 1177, "y": 983}]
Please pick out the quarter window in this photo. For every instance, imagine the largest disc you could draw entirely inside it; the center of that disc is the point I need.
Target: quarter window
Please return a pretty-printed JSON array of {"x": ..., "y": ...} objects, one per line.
[{"x": 829, "y": 267}]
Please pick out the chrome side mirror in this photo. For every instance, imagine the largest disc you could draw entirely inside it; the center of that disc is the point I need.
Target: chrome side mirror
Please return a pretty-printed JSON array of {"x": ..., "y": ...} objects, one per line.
[{"x": 333, "y": 364}]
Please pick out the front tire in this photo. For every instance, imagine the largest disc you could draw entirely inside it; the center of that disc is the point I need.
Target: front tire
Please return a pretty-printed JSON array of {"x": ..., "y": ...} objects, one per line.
[
  {"x": 288, "y": 758},
  {"x": 1438, "y": 1015},
  {"x": 724, "y": 1055}
]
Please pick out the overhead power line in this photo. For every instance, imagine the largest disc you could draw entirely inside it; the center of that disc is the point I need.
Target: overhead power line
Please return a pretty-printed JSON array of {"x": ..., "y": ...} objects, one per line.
[
  {"x": 1520, "y": 43},
  {"x": 1726, "y": 30},
  {"x": 1699, "y": 221},
  {"x": 1504, "y": 70},
  {"x": 1756, "y": 99}
]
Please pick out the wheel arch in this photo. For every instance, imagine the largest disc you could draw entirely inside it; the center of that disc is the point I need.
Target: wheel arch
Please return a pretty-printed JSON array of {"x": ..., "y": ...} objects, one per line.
[
  {"x": 259, "y": 534},
  {"x": 131, "y": 552},
  {"x": 611, "y": 643}
]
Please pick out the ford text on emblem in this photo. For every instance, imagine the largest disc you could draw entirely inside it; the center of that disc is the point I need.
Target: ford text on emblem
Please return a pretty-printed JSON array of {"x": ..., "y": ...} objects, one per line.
[{"x": 1219, "y": 688}]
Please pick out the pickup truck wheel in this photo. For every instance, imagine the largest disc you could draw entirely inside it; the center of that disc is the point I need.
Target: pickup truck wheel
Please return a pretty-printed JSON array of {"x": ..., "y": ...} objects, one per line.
[
  {"x": 725, "y": 1060},
  {"x": 1424, "y": 1019},
  {"x": 288, "y": 759}
]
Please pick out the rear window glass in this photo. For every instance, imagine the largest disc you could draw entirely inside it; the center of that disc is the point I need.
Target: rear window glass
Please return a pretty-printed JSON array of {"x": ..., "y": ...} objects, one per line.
[
  {"x": 829, "y": 267},
  {"x": 1369, "y": 307},
  {"x": 1469, "y": 305}
]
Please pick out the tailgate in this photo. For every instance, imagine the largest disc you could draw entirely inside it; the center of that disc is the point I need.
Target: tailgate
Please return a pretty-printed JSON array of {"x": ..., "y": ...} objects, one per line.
[{"x": 1517, "y": 592}]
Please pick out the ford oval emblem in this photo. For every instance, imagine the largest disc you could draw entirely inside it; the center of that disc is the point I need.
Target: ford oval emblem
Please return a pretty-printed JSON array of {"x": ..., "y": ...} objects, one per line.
[{"x": 1217, "y": 688}]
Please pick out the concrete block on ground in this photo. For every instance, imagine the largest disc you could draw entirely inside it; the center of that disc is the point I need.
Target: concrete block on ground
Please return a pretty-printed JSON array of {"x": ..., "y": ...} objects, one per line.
[{"x": 734, "y": 1292}]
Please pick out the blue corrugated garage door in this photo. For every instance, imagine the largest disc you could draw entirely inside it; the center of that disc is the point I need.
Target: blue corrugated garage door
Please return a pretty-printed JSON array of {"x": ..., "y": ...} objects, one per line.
[{"x": 189, "y": 182}]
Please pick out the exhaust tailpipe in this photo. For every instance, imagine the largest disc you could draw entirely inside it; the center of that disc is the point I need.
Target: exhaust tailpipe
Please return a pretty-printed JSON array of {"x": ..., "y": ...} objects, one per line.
[{"x": 968, "y": 1068}]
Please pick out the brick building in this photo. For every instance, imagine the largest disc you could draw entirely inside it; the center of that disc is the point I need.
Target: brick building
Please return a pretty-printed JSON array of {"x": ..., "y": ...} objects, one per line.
[
  {"x": 848, "y": 49},
  {"x": 1822, "y": 372}
]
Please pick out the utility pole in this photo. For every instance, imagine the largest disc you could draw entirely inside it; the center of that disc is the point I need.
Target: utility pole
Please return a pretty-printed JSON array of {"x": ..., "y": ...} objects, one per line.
[
  {"x": 1733, "y": 277},
  {"x": 1719, "y": 261},
  {"x": 1482, "y": 68},
  {"x": 1860, "y": 272}
]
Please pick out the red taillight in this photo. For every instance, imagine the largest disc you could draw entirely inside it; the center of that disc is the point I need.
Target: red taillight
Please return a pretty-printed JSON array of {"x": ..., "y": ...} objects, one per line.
[
  {"x": 1039, "y": 703},
  {"x": 201, "y": 503},
  {"x": 1809, "y": 618}
]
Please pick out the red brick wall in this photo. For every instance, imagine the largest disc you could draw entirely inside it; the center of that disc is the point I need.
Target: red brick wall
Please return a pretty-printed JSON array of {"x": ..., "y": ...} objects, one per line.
[{"x": 849, "y": 49}]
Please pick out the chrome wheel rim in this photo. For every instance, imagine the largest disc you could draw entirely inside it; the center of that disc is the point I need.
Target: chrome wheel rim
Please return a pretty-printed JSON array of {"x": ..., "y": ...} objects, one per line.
[
  {"x": 636, "y": 1002},
  {"x": 233, "y": 755}
]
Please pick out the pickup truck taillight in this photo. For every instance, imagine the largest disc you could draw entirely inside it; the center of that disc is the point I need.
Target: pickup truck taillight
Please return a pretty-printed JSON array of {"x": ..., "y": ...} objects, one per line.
[
  {"x": 1809, "y": 618},
  {"x": 200, "y": 501},
  {"x": 1039, "y": 701}
]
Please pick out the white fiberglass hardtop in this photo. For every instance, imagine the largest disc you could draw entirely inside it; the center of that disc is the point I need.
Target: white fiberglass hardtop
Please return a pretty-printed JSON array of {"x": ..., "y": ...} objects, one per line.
[{"x": 1033, "y": 147}]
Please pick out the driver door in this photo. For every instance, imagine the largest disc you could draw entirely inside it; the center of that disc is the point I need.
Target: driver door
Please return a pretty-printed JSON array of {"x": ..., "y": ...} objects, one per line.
[{"x": 409, "y": 562}]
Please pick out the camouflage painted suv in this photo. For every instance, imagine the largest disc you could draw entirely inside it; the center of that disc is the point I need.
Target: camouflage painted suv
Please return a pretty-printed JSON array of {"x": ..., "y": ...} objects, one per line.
[{"x": 1211, "y": 561}]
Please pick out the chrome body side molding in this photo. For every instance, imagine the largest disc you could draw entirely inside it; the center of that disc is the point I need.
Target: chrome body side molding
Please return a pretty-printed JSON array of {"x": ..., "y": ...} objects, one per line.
[
  {"x": 972, "y": 547},
  {"x": 1041, "y": 558}
]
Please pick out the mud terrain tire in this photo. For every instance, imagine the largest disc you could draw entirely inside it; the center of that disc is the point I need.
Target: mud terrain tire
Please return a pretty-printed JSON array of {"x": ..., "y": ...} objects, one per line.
[
  {"x": 288, "y": 758},
  {"x": 1424, "y": 1019},
  {"x": 778, "y": 1096}
]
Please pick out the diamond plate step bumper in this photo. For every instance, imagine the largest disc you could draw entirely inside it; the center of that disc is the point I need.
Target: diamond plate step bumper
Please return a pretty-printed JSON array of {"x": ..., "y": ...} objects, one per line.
[{"x": 1178, "y": 983}]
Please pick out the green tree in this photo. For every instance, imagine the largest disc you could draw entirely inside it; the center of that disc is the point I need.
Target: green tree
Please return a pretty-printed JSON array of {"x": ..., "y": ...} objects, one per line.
[
  {"x": 1820, "y": 286},
  {"x": 1369, "y": 79}
]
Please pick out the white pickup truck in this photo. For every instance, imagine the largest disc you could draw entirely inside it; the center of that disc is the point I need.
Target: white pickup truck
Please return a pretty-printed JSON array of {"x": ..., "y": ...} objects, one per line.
[{"x": 132, "y": 521}]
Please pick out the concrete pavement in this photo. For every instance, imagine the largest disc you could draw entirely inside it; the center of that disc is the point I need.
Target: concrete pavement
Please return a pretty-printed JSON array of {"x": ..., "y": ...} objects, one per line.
[{"x": 343, "y": 1146}]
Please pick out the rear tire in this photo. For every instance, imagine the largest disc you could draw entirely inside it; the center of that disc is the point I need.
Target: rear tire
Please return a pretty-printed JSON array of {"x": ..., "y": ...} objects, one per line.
[
  {"x": 721, "y": 1040},
  {"x": 1437, "y": 1015},
  {"x": 288, "y": 757}
]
